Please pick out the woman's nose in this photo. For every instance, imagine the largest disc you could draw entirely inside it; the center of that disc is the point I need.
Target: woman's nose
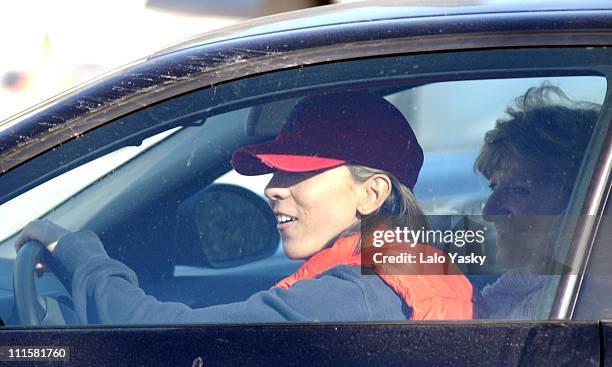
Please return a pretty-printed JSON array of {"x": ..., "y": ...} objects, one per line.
[
  {"x": 496, "y": 207},
  {"x": 275, "y": 190},
  {"x": 275, "y": 193}
]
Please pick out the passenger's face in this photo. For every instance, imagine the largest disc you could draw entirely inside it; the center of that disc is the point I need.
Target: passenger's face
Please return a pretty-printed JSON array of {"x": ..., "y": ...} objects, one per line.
[
  {"x": 524, "y": 205},
  {"x": 320, "y": 205}
]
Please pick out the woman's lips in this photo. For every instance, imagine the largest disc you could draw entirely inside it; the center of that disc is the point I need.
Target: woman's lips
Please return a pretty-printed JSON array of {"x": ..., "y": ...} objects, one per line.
[{"x": 286, "y": 225}]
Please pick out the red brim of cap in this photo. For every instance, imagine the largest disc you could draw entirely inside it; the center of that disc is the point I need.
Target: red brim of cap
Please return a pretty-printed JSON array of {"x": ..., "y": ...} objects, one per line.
[
  {"x": 247, "y": 162},
  {"x": 298, "y": 163}
]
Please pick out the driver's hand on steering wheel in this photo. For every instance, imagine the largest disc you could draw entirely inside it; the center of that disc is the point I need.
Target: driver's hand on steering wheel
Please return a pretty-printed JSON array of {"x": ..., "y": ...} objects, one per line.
[{"x": 43, "y": 231}]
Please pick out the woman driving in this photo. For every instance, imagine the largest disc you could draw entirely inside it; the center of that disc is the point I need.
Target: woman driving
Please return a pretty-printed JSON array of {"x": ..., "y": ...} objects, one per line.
[{"x": 341, "y": 161}]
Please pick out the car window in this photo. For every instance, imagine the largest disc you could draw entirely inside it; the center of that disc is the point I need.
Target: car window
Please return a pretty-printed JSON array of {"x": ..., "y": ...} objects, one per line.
[
  {"x": 54, "y": 192},
  {"x": 158, "y": 190}
]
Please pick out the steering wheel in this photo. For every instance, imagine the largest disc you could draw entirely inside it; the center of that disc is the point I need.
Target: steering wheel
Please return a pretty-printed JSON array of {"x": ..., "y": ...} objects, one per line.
[{"x": 32, "y": 309}]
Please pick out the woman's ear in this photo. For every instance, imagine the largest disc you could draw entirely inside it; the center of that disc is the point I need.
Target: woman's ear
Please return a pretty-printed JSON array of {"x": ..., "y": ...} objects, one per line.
[{"x": 375, "y": 191}]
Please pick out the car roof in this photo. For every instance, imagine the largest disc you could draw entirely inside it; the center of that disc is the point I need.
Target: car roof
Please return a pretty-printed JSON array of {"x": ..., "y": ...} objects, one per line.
[{"x": 377, "y": 10}]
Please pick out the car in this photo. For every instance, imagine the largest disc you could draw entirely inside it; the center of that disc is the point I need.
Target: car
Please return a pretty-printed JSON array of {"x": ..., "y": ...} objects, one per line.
[{"x": 141, "y": 156}]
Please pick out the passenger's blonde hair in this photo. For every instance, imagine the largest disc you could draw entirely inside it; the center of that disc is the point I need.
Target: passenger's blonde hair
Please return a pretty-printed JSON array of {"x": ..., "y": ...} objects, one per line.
[{"x": 544, "y": 128}]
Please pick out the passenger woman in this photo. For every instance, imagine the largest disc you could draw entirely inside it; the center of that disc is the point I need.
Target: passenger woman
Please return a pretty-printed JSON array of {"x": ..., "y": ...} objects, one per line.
[{"x": 531, "y": 158}]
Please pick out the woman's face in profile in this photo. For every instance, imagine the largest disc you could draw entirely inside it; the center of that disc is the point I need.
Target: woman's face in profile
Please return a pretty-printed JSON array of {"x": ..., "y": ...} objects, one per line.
[
  {"x": 312, "y": 207},
  {"x": 524, "y": 205}
]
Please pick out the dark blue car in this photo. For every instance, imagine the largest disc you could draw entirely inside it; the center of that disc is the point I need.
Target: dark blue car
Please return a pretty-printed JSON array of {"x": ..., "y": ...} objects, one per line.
[{"x": 141, "y": 157}]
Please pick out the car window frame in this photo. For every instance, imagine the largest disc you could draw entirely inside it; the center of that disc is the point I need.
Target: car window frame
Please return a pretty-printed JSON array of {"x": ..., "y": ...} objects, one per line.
[{"x": 597, "y": 189}]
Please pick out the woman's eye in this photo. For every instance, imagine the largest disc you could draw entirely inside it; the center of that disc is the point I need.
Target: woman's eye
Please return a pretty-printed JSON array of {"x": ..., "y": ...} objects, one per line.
[
  {"x": 492, "y": 186},
  {"x": 519, "y": 191}
]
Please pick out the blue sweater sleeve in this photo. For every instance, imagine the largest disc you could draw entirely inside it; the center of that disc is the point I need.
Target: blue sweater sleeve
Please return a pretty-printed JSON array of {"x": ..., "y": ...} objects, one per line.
[{"x": 111, "y": 288}]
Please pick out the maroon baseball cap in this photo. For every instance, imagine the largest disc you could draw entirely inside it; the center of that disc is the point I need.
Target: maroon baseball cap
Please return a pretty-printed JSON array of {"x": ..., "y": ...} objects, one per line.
[{"x": 329, "y": 130}]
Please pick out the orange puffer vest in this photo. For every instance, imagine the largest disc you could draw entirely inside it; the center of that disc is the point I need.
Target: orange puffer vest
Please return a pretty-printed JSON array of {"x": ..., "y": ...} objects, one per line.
[{"x": 436, "y": 291}]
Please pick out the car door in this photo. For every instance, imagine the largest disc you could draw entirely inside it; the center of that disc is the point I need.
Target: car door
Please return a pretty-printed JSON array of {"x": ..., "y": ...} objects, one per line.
[{"x": 165, "y": 153}]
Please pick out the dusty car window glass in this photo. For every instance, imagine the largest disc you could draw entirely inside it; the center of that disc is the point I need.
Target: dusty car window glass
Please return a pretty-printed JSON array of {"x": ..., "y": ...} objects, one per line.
[
  {"x": 55, "y": 191},
  {"x": 594, "y": 302},
  {"x": 214, "y": 246}
]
